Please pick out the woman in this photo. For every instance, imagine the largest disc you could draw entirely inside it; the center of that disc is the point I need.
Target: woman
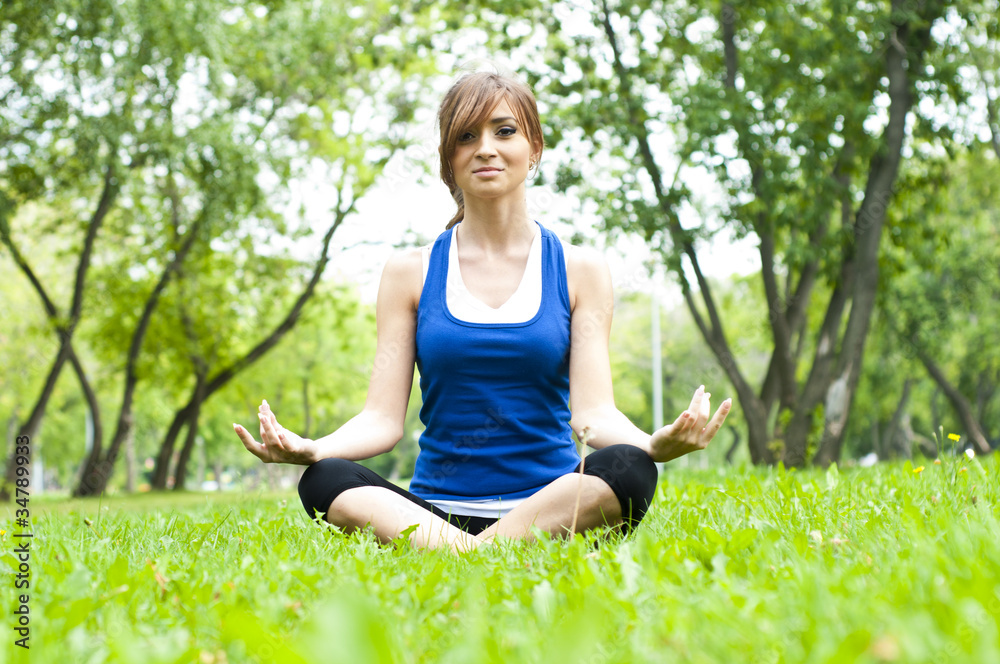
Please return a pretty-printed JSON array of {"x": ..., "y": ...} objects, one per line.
[{"x": 507, "y": 325}]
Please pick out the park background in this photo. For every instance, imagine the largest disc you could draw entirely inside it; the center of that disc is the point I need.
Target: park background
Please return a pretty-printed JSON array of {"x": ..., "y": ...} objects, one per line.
[{"x": 197, "y": 198}]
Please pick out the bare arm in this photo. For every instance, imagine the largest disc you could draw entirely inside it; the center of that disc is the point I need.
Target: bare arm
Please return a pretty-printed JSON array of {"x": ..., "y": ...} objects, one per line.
[
  {"x": 379, "y": 426},
  {"x": 591, "y": 393}
]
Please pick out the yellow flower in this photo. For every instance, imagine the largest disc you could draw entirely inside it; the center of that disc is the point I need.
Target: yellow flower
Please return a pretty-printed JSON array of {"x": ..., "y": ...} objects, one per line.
[
  {"x": 963, "y": 470},
  {"x": 954, "y": 436},
  {"x": 937, "y": 462},
  {"x": 918, "y": 469}
]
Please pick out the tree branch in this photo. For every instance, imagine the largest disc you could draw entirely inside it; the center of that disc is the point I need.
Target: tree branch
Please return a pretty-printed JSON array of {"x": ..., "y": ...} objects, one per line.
[{"x": 258, "y": 351}]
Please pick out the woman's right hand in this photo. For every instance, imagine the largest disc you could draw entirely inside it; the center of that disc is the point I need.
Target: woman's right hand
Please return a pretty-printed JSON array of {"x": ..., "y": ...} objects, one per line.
[{"x": 278, "y": 445}]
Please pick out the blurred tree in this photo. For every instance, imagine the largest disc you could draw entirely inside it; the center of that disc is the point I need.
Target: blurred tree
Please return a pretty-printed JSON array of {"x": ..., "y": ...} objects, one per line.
[
  {"x": 802, "y": 113},
  {"x": 981, "y": 34},
  {"x": 942, "y": 308},
  {"x": 315, "y": 379},
  {"x": 686, "y": 358},
  {"x": 184, "y": 124}
]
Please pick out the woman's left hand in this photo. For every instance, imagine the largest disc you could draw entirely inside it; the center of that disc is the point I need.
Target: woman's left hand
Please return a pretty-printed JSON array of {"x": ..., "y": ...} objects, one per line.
[{"x": 691, "y": 431}]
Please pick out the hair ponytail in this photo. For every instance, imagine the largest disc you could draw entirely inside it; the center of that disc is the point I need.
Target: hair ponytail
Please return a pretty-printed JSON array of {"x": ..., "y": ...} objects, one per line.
[{"x": 456, "y": 193}]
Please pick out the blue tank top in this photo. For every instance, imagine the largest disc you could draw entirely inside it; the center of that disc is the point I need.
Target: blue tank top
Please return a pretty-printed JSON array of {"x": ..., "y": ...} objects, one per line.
[{"x": 496, "y": 395}]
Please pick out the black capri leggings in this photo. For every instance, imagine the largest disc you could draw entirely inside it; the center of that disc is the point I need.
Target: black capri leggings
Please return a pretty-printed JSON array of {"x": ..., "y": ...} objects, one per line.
[{"x": 628, "y": 470}]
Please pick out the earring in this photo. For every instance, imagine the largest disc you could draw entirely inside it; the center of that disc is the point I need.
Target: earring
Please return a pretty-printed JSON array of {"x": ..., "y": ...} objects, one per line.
[{"x": 532, "y": 166}]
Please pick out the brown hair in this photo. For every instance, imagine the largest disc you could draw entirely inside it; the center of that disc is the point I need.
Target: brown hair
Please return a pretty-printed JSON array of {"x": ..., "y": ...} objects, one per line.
[{"x": 468, "y": 104}]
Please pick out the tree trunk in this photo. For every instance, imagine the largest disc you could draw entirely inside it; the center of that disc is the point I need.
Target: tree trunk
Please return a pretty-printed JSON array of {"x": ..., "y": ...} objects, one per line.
[
  {"x": 125, "y": 417},
  {"x": 936, "y": 410},
  {"x": 973, "y": 429},
  {"x": 95, "y": 411},
  {"x": 797, "y": 433},
  {"x": 894, "y": 435},
  {"x": 31, "y": 425},
  {"x": 220, "y": 379},
  {"x": 736, "y": 443},
  {"x": 217, "y": 470},
  {"x": 180, "y": 473},
  {"x": 924, "y": 444},
  {"x": 65, "y": 329},
  {"x": 905, "y": 49},
  {"x": 161, "y": 471},
  {"x": 130, "y": 463},
  {"x": 199, "y": 473},
  {"x": 986, "y": 389},
  {"x": 711, "y": 330}
]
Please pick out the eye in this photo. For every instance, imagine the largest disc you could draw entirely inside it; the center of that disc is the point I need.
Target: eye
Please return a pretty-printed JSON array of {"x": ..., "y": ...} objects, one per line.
[
  {"x": 506, "y": 131},
  {"x": 467, "y": 136}
]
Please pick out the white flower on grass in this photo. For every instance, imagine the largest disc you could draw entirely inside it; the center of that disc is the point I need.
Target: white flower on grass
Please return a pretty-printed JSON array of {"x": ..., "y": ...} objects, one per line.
[{"x": 970, "y": 454}]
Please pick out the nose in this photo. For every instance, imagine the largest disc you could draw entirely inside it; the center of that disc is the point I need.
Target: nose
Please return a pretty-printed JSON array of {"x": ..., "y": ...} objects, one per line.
[{"x": 486, "y": 148}]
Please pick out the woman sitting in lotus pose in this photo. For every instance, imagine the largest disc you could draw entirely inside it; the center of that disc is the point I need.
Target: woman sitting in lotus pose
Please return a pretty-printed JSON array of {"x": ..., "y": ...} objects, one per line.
[{"x": 508, "y": 325}]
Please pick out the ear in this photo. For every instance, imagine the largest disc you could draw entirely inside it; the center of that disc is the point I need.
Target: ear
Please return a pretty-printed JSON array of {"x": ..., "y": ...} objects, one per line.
[{"x": 536, "y": 150}]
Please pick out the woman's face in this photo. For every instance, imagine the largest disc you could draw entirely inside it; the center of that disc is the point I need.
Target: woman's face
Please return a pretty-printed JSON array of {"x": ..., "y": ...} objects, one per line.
[{"x": 491, "y": 160}]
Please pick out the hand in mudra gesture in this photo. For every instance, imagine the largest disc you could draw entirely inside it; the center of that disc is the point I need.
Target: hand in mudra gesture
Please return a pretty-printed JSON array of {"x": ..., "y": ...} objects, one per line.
[
  {"x": 278, "y": 444},
  {"x": 691, "y": 431}
]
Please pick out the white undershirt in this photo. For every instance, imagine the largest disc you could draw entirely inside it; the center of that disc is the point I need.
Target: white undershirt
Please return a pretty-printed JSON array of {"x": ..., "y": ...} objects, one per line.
[
  {"x": 463, "y": 305},
  {"x": 519, "y": 307}
]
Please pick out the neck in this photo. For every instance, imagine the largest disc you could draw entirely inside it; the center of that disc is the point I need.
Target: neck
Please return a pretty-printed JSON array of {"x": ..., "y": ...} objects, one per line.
[{"x": 496, "y": 224}]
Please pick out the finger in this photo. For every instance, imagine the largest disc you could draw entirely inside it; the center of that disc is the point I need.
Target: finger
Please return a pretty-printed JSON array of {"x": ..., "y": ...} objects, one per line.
[
  {"x": 269, "y": 432},
  {"x": 720, "y": 416},
  {"x": 704, "y": 412},
  {"x": 678, "y": 425},
  {"x": 693, "y": 407},
  {"x": 682, "y": 426},
  {"x": 255, "y": 448},
  {"x": 263, "y": 430},
  {"x": 265, "y": 409},
  {"x": 697, "y": 404}
]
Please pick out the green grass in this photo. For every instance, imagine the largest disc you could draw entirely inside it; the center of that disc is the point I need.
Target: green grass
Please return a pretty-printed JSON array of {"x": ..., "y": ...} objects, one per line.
[{"x": 757, "y": 565}]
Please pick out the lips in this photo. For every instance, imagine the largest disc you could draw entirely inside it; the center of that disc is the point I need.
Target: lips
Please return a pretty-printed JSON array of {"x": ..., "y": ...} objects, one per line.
[{"x": 487, "y": 169}]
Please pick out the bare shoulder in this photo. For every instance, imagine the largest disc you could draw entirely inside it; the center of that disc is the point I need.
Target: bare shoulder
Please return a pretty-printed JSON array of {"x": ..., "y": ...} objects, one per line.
[
  {"x": 402, "y": 277},
  {"x": 587, "y": 273},
  {"x": 584, "y": 259}
]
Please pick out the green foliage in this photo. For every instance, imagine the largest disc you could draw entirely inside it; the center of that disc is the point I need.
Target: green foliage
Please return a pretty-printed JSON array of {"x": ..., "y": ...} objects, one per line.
[
  {"x": 758, "y": 565},
  {"x": 687, "y": 361},
  {"x": 769, "y": 120},
  {"x": 189, "y": 125},
  {"x": 939, "y": 301}
]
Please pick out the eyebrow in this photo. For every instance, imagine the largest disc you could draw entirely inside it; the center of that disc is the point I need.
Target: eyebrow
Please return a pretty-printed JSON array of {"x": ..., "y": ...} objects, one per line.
[{"x": 506, "y": 118}]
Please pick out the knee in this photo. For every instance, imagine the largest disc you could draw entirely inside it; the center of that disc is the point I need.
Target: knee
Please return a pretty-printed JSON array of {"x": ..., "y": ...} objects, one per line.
[
  {"x": 639, "y": 471},
  {"x": 633, "y": 476},
  {"x": 322, "y": 482}
]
